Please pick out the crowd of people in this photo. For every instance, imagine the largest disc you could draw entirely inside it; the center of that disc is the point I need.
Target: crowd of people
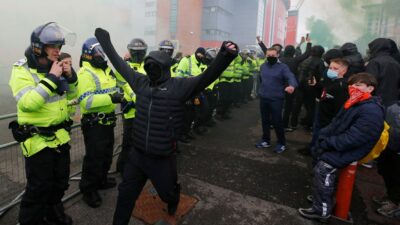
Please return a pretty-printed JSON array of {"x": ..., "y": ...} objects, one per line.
[{"x": 167, "y": 100}]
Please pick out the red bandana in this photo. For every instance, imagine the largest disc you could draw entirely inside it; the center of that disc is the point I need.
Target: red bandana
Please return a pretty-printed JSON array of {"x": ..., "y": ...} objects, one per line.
[{"x": 356, "y": 96}]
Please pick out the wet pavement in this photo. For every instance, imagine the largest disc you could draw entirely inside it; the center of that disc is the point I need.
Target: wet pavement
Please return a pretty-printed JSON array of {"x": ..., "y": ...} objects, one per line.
[{"x": 237, "y": 183}]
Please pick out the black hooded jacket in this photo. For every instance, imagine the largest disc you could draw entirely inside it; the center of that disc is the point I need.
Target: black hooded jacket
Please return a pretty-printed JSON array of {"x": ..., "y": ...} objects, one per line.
[
  {"x": 312, "y": 66},
  {"x": 160, "y": 104},
  {"x": 293, "y": 62},
  {"x": 353, "y": 57},
  {"x": 386, "y": 69}
]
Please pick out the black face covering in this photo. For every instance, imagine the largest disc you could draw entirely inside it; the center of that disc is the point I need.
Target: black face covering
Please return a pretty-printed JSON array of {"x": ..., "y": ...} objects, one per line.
[
  {"x": 99, "y": 62},
  {"x": 137, "y": 56},
  {"x": 153, "y": 70},
  {"x": 272, "y": 60}
]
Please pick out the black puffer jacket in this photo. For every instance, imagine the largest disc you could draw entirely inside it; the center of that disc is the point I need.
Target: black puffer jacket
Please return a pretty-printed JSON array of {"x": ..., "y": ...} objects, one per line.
[
  {"x": 160, "y": 104},
  {"x": 386, "y": 69}
]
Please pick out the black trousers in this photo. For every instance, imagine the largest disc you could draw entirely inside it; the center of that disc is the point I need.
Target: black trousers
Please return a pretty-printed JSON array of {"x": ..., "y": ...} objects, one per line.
[
  {"x": 306, "y": 96},
  {"x": 201, "y": 111},
  {"x": 288, "y": 108},
  {"x": 127, "y": 143},
  {"x": 188, "y": 117},
  {"x": 161, "y": 172},
  {"x": 225, "y": 90},
  {"x": 47, "y": 174},
  {"x": 212, "y": 98},
  {"x": 99, "y": 145},
  {"x": 389, "y": 169}
]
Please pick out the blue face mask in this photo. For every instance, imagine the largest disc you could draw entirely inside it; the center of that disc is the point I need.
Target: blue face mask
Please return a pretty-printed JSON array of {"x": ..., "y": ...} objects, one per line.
[{"x": 332, "y": 74}]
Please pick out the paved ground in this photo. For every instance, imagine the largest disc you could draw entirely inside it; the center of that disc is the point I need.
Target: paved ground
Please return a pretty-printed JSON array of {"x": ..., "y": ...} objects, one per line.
[{"x": 239, "y": 184}]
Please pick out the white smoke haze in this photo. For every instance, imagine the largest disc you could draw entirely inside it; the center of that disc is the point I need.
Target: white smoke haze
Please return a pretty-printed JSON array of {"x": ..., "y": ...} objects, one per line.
[{"x": 125, "y": 19}]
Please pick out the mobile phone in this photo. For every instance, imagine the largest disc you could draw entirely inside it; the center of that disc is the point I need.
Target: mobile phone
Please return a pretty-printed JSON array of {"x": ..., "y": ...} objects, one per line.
[{"x": 307, "y": 36}]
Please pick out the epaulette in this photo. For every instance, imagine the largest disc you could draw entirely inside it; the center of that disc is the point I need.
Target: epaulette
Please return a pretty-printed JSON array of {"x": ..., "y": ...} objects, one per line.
[{"x": 20, "y": 62}]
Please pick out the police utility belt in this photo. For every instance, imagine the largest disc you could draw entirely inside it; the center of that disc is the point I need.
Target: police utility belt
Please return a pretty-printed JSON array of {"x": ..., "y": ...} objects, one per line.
[
  {"x": 22, "y": 132},
  {"x": 98, "y": 118}
]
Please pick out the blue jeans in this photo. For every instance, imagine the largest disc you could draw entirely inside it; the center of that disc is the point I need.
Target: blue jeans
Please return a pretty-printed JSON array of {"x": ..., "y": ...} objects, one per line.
[{"x": 272, "y": 109}]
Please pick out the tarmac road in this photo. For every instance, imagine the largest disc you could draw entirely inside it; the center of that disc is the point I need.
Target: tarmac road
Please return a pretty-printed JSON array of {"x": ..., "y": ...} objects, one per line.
[{"x": 237, "y": 183}]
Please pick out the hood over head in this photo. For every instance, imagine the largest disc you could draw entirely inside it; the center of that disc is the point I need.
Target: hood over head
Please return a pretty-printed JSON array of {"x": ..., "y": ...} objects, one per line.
[{"x": 157, "y": 66}]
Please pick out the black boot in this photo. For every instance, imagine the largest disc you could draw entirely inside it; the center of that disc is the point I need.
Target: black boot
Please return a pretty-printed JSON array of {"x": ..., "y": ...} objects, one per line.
[
  {"x": 93, "y": 199},
  {"x": 110, "y": 182},
  {"x": 173, "y": 206},
  {"x": 56, "y": 216}
]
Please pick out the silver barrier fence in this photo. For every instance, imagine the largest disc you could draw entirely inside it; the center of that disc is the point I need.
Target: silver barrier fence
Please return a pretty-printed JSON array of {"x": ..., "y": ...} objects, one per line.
[{"x": 12, "y": 165}]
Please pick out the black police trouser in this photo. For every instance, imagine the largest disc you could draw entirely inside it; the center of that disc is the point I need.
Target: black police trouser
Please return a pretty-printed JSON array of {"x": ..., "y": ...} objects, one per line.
[
  {"x": 127, "y": 143},
  {"x": 189, "y": 116},
  {"x": 249, "y": 87},
  {"x": 99, "y": 145},
  {"x": 237, "y": 92},
  {"x": 47, "y": 174},
  {"x": 389, "y": 169},
  {"x": 212, "y": 98},
  {"x": 161, "y": 172},
  {"x": 225, "y": 97},
  {"x": 243, "y": 86},
  {"x": 201, "y": 111}
]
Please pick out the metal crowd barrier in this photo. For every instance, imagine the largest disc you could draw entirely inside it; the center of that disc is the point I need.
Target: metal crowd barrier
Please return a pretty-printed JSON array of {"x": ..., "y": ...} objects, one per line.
[{"x": 12, "y": 165}]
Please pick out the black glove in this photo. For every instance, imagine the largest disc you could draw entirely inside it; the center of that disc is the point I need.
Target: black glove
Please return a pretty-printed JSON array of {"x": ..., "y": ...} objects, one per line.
[
  {"x": 116, "y": 97},
  {"x": 225, "y": 50},
  {"x": 102, "y": 35}
]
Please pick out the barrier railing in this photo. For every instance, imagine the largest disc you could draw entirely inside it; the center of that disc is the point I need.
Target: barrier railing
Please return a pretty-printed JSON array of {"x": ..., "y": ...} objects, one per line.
[{"x": 12, "y": 165}]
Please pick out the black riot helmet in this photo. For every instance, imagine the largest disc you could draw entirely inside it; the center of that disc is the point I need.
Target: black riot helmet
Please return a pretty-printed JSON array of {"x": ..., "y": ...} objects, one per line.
[
  {"x": 137, "y": 50},
  {"x": 166, "y": 46},
  {"x": 211, "y": 53}
]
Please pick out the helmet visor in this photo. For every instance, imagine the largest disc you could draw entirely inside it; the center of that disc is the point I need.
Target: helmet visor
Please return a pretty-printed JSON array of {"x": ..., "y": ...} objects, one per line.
[
  {"x": 55, "y": 34},
  {"x": 98, "y": 52}
]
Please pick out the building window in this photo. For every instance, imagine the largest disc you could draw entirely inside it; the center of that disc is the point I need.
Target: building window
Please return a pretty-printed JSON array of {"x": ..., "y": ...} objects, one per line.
[{"x": 150, "y": 13}]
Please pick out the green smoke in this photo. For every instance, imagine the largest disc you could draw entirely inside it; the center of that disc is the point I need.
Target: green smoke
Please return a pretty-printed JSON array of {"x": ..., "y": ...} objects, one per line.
[{"x": 320, "y": 32}]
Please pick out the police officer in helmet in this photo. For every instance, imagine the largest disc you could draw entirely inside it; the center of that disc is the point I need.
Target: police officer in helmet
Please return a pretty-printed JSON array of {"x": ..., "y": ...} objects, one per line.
[
  {"x": 42, "y": 87},
  {"x": 137, "y": 49},
  {"x": 97, "y": 96}
]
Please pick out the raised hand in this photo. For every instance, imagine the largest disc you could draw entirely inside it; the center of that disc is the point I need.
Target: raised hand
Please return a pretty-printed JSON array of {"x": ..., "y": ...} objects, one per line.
[
  {"x": 102, "y": 35},
  {"x": 230, "y": 47},
  {"x": 57, "y": 69}
]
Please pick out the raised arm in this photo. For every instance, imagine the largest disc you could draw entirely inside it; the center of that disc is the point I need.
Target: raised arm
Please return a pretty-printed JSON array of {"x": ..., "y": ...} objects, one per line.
[{"x": 119, "y": 64}]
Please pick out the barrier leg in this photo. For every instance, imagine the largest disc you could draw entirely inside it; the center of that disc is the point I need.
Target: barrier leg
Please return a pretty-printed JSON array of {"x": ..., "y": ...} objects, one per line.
[{"x": 344, "y": 191}]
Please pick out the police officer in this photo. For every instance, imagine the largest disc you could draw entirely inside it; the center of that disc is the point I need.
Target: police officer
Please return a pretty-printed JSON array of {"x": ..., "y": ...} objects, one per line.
[
  {"x": 42, "y": 86},
  {"x": 137, "y": 49},
  {"x": 97, "y": 96},
  {"x": 168, "y": 47},
  {"x": 195, "y": 112}
]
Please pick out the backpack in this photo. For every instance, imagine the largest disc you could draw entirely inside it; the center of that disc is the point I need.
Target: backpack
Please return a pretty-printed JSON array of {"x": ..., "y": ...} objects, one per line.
[{"x": 379, "y": 146}]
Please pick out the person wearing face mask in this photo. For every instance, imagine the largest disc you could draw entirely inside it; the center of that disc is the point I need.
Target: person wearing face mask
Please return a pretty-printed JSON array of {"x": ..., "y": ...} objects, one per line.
[
  {"x": 159, "y": 119},
  {"x": 189, "y": 67},
  {"x": 137, "y": 49},
  {"x": 348, "y": 138},
  {"x": 333, "y": 89},
  {"x": 97, "y": 96},
  {"x": 42, "y": 86},
  {"x": 275, "y": 80}
]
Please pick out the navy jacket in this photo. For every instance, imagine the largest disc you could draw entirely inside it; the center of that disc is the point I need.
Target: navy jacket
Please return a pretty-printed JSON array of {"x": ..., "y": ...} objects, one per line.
[
  {"x": 352, "y": 134},
  {"x": 274, "y": 79}
]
